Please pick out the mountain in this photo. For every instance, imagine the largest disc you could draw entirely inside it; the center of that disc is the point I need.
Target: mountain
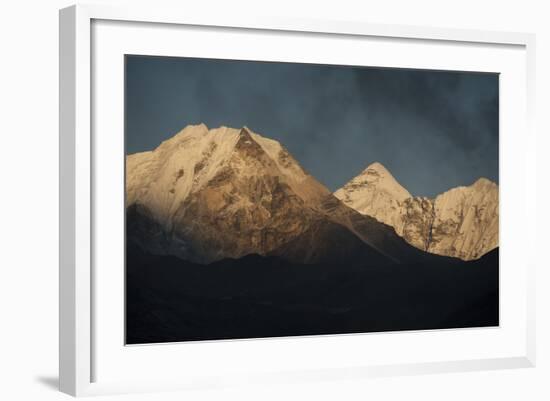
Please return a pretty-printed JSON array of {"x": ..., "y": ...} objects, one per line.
[
  {"x": 169, "y": 299},
  {"x": 220, "y": 193},
  {"x": 206, "y": 195},
  {"x": 462, "y": 222},
  {"x": 376, "y": 191},
  {"x": 328, "y": 242},
  {"x": 229, "y": 237}
]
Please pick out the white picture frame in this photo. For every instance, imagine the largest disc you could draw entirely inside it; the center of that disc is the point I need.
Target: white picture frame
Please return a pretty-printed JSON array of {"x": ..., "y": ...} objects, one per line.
[{"x": 77, "y": 368}]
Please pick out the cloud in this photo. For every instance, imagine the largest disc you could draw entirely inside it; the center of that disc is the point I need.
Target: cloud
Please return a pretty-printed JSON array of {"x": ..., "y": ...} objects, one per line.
[{"x": 432, "y": 129}]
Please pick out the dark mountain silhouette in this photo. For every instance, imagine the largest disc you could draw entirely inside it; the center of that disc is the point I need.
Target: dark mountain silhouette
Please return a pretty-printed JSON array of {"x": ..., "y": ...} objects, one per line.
[
  {"x": 169, "y": 299},
  {"x": 228, "y": 237},
  {"x": 328, "y": 242},
  {"x": 208, "y": 195}
]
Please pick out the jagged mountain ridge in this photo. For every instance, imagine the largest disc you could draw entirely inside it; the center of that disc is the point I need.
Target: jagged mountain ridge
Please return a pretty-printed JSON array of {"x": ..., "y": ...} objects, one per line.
[
  {"x": 377, "y": 191},
  {"x": 205, "y": 195},
  {"x": 277, "y": 245},
  {"x": 203, "y": 186},
  {"x": 196, "y": 156},
  {"x": 462, "y": 222}
]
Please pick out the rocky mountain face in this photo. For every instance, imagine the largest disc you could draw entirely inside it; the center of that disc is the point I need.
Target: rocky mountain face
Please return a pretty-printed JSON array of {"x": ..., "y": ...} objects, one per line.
[
  {"x": 200, "y": 188},
  {"x": 205, "y": 195},
  {"x": 279, "y": 246},
  {"x": 375, "y": 191},
  {"x": 462, "y": 222}
]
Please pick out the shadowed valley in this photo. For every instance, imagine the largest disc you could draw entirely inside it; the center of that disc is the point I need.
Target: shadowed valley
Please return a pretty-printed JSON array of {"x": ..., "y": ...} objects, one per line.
[{"x": 229, "y": 237}]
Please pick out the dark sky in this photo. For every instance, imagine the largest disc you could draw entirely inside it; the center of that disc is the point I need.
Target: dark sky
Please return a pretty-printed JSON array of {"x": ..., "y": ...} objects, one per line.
[{"x": 433, "y": 130}]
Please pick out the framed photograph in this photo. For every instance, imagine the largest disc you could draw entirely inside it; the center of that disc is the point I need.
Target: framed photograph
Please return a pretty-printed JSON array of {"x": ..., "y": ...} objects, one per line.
[{"x": 279, "y": 200}]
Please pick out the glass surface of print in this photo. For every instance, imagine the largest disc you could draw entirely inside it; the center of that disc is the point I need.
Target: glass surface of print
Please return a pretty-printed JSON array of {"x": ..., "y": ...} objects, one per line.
[{"x": 282, "y": 199}]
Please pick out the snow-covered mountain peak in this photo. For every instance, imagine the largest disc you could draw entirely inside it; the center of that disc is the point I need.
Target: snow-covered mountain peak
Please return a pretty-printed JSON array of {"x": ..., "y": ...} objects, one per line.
[
  {"x": 376, "y": 168},
  {"x": 234, "y": 179},
  {"x": 245, "y": 141},
  {"x": 484, "y": 183},
  {"x": 197, "y": 158},
  {"x": 461, "y": 222},
  {"x": 196, "y": 136},
  {"x": 373, "y": 180},
  {"x": 189, "y": 132},
  {"x": 374, "y": 192}
]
